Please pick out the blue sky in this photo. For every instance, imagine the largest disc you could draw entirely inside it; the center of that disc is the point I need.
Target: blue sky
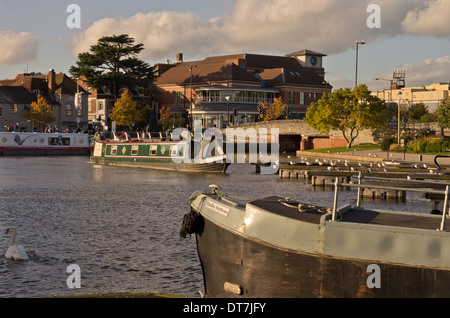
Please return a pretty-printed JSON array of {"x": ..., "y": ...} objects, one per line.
[{"x": 414, "y": 34}]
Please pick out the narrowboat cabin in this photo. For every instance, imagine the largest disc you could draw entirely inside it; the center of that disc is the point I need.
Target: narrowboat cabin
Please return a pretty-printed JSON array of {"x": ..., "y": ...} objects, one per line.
[{"x": 161, "y": 153}]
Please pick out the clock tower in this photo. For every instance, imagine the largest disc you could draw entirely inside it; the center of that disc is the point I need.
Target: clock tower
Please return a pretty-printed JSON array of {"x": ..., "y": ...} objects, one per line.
[{"x": 310, "y": 60}]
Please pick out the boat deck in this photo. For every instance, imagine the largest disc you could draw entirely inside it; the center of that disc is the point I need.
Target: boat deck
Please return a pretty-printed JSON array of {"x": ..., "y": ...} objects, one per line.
[{"x": 407, "y": 220}]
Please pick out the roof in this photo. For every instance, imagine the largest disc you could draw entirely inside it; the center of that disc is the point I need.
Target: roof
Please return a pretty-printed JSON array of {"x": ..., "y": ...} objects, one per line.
[
  {"x": 65, "y": 85},
  {"x": 205, "y": 72},
  {"x": 16, "y": 95},
  {"x": 38, "y": 81},
  {"x": 252, "y": 68},
  {"x": 305, "y": 52}
]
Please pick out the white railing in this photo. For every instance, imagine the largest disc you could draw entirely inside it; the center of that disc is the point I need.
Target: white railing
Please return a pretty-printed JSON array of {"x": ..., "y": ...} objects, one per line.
[
  {"x": 209, "y": 99},
  {"x": 360, "y": 186}
]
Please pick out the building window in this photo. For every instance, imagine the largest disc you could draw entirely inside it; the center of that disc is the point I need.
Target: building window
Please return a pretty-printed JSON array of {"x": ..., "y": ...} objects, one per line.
[
  {"x": 302, "y": 98},
  {"x": 100, "y": 105},
  {"x": 69, "y": 110},
  {"x": 291, "y": 97},
  {"x": 1, "y": 111},
  {"x": 13, "y": 108},
  {"x": 36, "y": 92},
  {"x": 177, "y": 99}
]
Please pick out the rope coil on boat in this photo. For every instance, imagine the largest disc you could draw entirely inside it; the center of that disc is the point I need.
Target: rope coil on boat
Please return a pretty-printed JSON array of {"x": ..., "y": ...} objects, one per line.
[{"x": 192, "y": 223}]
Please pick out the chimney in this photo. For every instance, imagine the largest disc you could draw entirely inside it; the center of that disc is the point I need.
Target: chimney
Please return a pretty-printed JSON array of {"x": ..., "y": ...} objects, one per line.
[
  {"x": 51, "y": 82},
  {"x": 179, "y": 57}
]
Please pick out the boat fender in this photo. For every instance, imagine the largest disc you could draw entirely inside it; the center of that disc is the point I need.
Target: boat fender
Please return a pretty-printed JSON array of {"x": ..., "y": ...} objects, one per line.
[{"x": 192, "y": 223}]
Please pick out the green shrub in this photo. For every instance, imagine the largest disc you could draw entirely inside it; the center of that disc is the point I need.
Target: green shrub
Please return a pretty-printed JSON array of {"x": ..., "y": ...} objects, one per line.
[
  {"x": 429, "y": 145},
  {"x": 386, "y": 143}
]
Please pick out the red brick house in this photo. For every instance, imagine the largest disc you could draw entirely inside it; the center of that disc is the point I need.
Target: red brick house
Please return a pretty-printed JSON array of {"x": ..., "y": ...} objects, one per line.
[{"x": 228, "y": 88}]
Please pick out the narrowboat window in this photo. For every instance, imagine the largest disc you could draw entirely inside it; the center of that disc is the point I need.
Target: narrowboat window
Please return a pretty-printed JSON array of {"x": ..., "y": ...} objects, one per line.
[
  {"x": 174, "y": 151},
  {"x": 153, "y": 150},
  {"x": 134, "y": 150},
  {"x": 114, "y": 150},
  {"x": 59, "y": 141}
]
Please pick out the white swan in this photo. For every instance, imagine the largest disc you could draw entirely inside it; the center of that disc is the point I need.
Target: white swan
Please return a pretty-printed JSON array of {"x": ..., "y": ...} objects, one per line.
[{"x": 15, "y": 252}]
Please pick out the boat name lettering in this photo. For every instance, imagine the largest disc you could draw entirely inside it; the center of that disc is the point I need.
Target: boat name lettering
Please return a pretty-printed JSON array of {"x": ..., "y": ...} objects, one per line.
[{"x": 216, "y": 207}]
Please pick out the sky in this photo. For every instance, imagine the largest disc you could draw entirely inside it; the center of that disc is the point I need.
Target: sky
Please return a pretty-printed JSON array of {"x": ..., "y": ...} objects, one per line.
[{"x": 411, "y": 35}]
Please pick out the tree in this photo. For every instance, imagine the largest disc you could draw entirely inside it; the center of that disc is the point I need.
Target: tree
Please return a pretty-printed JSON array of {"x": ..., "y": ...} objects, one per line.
[
  {"x": 347, "y": 111},
  {"x": 273, "y": 111},
  {"x": 113, "y": 62},
  {"x": 167, "y": 120},
  {"x": 125, "y": 111},
  {"x": 443, "y": 113},
  {"x": 40, "y": 111},
  {"x": 416, "y": 111}
]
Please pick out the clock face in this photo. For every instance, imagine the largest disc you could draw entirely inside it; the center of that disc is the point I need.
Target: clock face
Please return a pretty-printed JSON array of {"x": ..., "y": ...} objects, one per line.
[{"x": 313, "y": 61}]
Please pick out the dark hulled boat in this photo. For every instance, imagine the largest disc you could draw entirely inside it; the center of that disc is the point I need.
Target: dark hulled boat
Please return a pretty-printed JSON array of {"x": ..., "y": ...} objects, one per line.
[{"x": 275, "y": 247}]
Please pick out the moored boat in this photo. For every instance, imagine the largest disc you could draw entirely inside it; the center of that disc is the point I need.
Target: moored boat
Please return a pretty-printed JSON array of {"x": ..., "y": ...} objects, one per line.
[
  {"x": 157, "y": 153},
  {"x": 274, "y": 247},
  {"x": 31, "y": 143}
]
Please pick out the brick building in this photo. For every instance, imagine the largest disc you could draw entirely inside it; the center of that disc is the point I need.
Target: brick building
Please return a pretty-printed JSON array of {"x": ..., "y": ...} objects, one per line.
[
  {"x": 67, "y": 99},
  {"x": 229, "y": 88}
]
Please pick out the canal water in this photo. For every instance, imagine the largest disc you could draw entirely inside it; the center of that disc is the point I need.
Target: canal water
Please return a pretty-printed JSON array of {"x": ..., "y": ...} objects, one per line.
[{"x": 119, "y": 225}]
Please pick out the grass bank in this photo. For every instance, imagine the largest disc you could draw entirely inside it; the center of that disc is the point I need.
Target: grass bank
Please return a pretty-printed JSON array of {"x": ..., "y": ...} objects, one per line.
[{"x": 345, "y": 149}]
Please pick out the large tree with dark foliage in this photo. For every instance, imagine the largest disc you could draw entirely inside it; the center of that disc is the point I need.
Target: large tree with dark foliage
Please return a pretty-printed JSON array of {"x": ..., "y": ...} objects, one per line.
[{"x": 113, "y": 62}]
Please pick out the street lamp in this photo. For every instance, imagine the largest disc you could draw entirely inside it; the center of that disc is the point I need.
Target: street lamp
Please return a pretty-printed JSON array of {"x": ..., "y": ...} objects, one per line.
[
  {"x": 392, "y": 83},
  {"x": 398, "y": 118},
  {"x": 356, "y": 72},
  {"x": 191, "y": 121},
  {"x": 228, "y": 110}
]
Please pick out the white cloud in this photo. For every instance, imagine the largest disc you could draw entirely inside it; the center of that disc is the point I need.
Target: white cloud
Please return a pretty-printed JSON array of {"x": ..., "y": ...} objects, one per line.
[
  {"x": 419, "y": 74},
  {"x": 17, "y": 47},
  {"x": 432, "y": 18},
  {"x": 163, "y": 33},
  {"x": 329, "y": 26},
  {"x": 281, "y": 26}
]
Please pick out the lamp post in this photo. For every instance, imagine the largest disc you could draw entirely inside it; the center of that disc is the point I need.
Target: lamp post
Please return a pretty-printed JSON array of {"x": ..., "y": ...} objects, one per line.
[
  {"x": 392, "y": 82},
  {"x": 356, "y": 72},
  {"x": 190, "y": 116},
  {"x": 398, "y": 118},
  {"x": 228, "y": 110}
]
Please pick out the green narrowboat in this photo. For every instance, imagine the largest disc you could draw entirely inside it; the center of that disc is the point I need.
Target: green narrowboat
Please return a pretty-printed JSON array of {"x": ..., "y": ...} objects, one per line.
[{"x": 169, "y": 155}]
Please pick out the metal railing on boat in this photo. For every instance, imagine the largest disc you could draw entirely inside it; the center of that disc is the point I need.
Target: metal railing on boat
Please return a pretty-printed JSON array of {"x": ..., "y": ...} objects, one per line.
[{"x": 359, "y": 186}]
